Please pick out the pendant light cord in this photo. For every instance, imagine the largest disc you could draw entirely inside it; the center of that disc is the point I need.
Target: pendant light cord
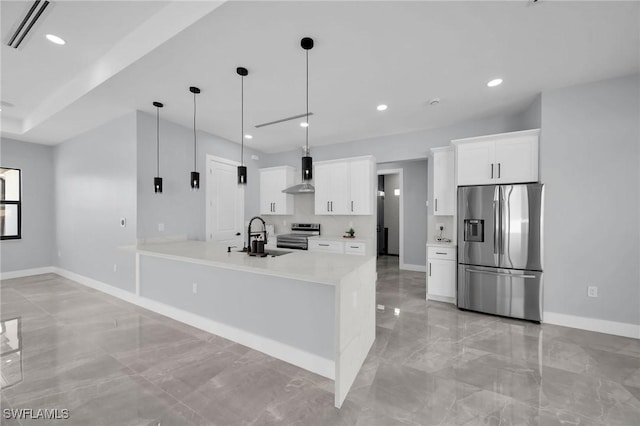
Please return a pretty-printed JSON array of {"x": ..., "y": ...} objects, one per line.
[
  {"x": 157, "y": 141},
  {"x": 307, "y": 128},
  {"x": 194, "y": 133},
  {"x": 242, "y": 119}
]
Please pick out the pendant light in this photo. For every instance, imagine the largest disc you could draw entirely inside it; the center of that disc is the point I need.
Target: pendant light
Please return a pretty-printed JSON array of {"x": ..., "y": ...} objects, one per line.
[
  {"x": 195, "y": 176},
  {"x": 307, "y": 162},
  {"x": 242, "y": 169},
  {"x": 157, "y": 181}
]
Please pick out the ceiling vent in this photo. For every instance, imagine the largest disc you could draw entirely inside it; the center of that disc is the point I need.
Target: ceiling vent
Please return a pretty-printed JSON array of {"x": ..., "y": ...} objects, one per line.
[
  {"x": 282, "y": 120},
  {"x": 28, "y": 22}
]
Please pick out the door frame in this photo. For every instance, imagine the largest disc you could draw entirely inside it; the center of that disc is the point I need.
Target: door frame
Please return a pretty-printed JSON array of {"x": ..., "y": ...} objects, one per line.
[
  {"x": 400, "y": 173},
  {"x": 208, "y": 201}
]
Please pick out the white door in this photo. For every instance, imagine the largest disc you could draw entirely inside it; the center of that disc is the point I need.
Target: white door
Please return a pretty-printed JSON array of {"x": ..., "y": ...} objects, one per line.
[
  {"x": 225, "y": 202},
  {"x": 361, "y": 188},
  {"x": 475, "y": 163},
  {"x": 517, "y": 160}
]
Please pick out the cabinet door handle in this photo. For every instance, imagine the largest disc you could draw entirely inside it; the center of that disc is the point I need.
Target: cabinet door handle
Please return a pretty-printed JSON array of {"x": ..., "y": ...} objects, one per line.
[
  {"x": 436, "y": 200},
  {"x": 354, "y": 247},
  {"x": 491, "y": 170},
  {"x": 439, "y": 252},
  {"x": 274, "y": 207},
  {"x": 498, "y": 170},
  {"x": 429, "y": 268},
  {"x": 331, "y": 202},
  {"x": 352, "y": 206},
  {"x": 328, "y": 206},
  {"x": 324, "y": 245}
]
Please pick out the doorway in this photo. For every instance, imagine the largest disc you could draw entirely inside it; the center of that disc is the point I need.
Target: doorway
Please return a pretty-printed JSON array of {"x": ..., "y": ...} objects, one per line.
[
  {"x": 225, "y": 202},
  {"x": 390, "y": 226}
]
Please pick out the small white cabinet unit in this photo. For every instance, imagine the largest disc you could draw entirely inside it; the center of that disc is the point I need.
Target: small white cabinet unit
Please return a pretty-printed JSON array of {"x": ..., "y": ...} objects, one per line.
[
  {"x": 272, "y": 181},
  {"x": 443, "y": 181},
  {"x": 344, "y": 187},
  {"x": 503, "y": 158},
  {"x": 441, "y": 273}
]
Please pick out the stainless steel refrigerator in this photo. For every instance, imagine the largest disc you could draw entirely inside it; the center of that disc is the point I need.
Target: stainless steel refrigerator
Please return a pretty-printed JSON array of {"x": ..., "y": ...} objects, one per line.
[{"x": 500, "y": 249}]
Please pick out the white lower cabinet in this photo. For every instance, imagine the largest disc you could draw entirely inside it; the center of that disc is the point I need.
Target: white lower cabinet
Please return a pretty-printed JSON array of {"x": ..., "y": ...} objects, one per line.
[
  {"x": 338, "y": 247},
  {"x": 441, "y": 274}
]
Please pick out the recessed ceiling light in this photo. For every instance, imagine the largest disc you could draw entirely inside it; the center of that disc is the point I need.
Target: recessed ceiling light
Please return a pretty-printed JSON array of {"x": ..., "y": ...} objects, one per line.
[
  {"x": 495, "y": 82},
  {"x": 304, "y": 124},
  {"x": 381, "y": 107},
  {"x": 248, "y": 137},
  {"x": 55, "y": 39}
]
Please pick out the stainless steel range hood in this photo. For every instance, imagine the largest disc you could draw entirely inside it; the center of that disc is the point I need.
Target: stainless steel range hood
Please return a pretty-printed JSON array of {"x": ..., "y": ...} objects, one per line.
[{"x": 301, "y": 188}]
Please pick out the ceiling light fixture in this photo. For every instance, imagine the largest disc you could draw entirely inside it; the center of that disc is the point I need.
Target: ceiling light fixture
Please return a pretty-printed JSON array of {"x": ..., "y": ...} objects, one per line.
[
  {"x": 195, "y": 176},
  {"x": 242, "y": 169},
  {"x": 307, "y": 162},
  {"x": 495, "y": 82},
  {"x": 381, "y": 107},
  {"x": 157, "y": 181},
  {"x": 434, "y": 101},
  {"x": 55, "y": 39}
]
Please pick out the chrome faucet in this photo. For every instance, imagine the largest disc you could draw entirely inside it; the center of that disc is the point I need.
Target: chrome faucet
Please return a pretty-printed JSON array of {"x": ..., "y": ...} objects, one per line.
[{"x": 264, "y": 225}]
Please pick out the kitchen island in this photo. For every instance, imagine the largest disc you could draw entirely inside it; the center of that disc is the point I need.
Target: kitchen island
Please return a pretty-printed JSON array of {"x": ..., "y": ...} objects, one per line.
[{"x": 313, "y": 310}]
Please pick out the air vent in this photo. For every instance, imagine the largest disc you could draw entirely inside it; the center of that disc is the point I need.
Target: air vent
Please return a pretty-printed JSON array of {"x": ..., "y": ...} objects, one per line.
[
  {"x": 28, "y": 22},
  {"x": 282, "y": 120}
]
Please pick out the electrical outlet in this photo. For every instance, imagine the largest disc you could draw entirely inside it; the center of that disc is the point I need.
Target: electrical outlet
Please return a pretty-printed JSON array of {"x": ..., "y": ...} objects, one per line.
[
  {"x": 592, "y": 291},
  {"x": 161, "y": 227},
  {"x": 115, "y": 267},
  {"x": 439, "y": 226},
  {"x": 194, "y": 288}
]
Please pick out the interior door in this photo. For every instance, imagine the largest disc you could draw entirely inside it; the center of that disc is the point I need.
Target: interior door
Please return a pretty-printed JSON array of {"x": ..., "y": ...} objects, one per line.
[{"x": 225, "y": 203}]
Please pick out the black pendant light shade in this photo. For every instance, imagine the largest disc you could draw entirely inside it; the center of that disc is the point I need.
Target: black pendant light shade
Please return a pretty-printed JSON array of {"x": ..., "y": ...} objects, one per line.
[
  {"x": 157, "y": 181},
  {"x": 242, "y": 170},
  {"x": 307, "y": 161},
  {"x": 195, "y": 176}
]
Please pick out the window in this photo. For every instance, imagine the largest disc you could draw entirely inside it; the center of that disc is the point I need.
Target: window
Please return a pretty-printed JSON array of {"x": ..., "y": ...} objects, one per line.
[{"x": 10, "y": 204}]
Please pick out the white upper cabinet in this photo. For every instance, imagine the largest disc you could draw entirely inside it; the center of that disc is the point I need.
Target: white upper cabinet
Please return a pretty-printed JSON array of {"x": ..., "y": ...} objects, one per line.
[
  {"x": 344, "y": 187},
  {"x": 443, "y": 181},
  {"x": 272, "y": 181},
  {"x": 497, "y": 159}
]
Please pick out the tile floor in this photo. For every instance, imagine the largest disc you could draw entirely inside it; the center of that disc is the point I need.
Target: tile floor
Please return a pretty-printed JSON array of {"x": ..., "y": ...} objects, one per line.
[{"x": 112, "y": 363}]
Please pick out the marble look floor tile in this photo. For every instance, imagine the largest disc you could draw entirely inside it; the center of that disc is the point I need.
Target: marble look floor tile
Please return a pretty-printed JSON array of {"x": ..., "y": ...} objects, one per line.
[
  {"x": 123, "y": 401},
  {"x": 115, "y": 363}
]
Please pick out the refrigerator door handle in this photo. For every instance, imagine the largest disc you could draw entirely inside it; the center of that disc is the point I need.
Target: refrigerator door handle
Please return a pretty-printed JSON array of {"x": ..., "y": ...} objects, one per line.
[
  {"x": 477, "y": 271},
  {"x": 491, "y": 170},
  {"x": 496, "y": 225}
]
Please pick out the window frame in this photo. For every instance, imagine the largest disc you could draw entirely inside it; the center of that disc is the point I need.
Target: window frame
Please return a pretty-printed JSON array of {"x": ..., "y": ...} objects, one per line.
[{"x": 18, "y": 235}]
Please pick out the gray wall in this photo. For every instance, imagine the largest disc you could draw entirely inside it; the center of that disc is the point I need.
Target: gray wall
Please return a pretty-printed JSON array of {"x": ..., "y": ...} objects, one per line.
[
  {"x": 531, "y": 117},
  {"x": 392, "y": 212},
  {"x": 590, "y": 165},
  {"x": 35, "y": 248},
  {"x": 181, "y": 210},
  {"x": 96, "y": 182}
]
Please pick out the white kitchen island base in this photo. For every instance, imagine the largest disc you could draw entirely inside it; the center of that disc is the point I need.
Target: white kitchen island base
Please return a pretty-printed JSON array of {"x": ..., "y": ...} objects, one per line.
[{"x": 318, "y": 314}]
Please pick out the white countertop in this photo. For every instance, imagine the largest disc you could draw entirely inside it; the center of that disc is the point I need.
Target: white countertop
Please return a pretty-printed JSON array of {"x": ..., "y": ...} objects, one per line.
[
  {"x": 443, "y": 244},
  {"x": 338, "y": 238},
  {"x": 324, "y": 268}
]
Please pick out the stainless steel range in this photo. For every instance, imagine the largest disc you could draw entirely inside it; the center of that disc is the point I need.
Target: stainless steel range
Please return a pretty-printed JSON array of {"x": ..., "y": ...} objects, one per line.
[{"x": 298, "y": 238}]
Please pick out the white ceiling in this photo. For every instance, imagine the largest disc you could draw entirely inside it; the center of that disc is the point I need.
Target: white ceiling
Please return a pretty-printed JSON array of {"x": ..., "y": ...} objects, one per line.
[{"x": 397, "y": 53}]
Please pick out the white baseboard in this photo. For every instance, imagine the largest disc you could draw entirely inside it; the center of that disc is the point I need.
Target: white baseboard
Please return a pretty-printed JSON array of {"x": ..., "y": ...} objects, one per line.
[
  {"x": 441, "y": 298},
  {"x": 416, "y": 268},
  {"x": 26, "y": 272},
  {"x": 593, "y": 324},
  {"x": 308, "y": 361}
]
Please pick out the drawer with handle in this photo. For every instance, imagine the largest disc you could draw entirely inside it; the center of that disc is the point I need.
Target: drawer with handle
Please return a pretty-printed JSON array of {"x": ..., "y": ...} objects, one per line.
[
  {"x": 326, "y": 246},
  {"x": 441, "y": 253},
  {"x": 354, "y": 248}
]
